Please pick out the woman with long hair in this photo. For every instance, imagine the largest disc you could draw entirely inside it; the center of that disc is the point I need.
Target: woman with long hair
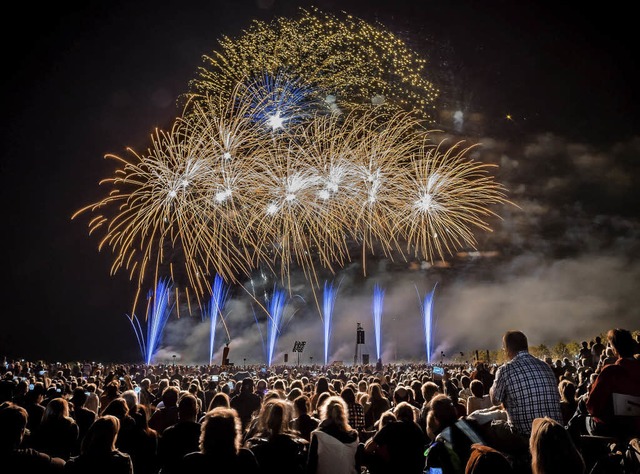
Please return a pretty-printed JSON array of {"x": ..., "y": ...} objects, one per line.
[
  {"x": 321, "y": 386},
  {"x": 144, "y": 442},
  {"x": 220, "y": 446},
  {"x": 98, "y": 453},
  {"x": 220, "y": 399},
  {"x": 58, "y": 432},
  {"x": 119, "y": 408},
  {"x": 334, "y": 444},
  {"x": 278, "y": 449},
  {"x": 377, "y": 404},
  {"x": 552, "y": 449},
  {"x": 304, "y": 423}
]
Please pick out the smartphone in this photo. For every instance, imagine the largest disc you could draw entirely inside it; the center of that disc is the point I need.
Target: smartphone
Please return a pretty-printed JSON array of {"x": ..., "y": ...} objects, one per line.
[
  {"x": 136, "y": 389},
  {"x": 215, "y": 378},
  {"x": 231, "y": 385},
  {"x": 59, "y": 390},
  {"x": 41, "y": 372},
  {"x": 31, "y": 386},
  {"x": 435, "y": 470},
  {"x": 438, "y": 371}
]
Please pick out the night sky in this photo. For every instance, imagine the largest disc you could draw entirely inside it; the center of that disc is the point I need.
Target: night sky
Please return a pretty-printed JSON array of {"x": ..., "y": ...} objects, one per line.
[{"x": 81, "y": 83}]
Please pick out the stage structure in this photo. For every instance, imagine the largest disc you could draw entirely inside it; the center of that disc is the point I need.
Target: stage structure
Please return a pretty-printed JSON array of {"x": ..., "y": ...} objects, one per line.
[{"x": 298, "y": 347}]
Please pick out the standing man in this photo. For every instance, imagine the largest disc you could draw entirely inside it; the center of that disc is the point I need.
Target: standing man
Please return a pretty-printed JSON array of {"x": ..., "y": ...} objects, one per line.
[
  {"x": 527, "y": 389},
  {"x": 596, "y": 352}
]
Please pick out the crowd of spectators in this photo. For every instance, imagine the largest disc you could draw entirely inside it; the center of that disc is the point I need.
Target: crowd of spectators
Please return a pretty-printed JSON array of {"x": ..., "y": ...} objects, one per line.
[{"x": 528, "y": 415}]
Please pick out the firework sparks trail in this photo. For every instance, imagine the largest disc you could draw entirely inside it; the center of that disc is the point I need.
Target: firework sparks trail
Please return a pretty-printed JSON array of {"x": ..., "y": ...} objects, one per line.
[
  {"x": 139, "y": 332},
  {"x": 274, "y": 322},
  {"x": 329, "y": 299},
  {"x": 219, "y": 297},
  {"x": 426, "y": 311},
  {"x": 159, "y": 309},
  {"x": 378, "y": 300},
  {"x": 449, "y": 195}
]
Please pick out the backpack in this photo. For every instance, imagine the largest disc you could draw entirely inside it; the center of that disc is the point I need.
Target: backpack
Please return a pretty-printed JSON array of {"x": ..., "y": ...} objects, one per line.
[
  {"x": 462, "y": 435},
  {"x": 440, "y": 458}
]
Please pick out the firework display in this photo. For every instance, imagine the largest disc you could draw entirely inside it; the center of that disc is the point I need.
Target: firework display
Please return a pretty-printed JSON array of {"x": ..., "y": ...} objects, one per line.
[
  {"x": 301, "y": 141},
  {"x": 319, "y": 62}
]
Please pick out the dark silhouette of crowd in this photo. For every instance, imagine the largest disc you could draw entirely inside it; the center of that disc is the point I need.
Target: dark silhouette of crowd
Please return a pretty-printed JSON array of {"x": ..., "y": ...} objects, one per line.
[{"x": 528, "y": 415}]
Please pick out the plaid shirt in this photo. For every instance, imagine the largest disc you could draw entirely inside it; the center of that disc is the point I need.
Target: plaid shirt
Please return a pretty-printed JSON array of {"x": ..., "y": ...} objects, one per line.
[
  {"x": 528, "y": 389},
  {"x": 356, "y": 416}
]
